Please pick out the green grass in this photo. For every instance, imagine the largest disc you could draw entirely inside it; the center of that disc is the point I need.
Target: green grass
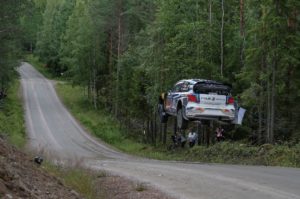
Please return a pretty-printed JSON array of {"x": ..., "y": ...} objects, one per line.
[
  {"x": 237, "y": 153},
  {"x": 79, "y": 179},
  {"x": 12, "y": 122}
]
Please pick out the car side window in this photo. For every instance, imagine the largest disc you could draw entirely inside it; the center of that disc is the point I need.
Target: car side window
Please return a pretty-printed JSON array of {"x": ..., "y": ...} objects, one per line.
[
  {"x": 177, "y": 88},
  {"x": 184, "y": 87}
]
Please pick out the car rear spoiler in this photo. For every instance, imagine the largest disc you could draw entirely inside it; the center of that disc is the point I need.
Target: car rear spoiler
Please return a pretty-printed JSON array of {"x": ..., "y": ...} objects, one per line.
[{"x": 211, "y": 86}]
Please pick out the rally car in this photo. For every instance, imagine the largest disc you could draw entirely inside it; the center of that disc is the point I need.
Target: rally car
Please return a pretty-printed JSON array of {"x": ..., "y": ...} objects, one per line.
[{"x": 198, "y": 99}]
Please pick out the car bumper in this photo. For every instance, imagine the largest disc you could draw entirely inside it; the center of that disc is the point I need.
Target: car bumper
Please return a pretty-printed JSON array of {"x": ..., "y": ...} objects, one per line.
[{"x": 222, "y": 114}]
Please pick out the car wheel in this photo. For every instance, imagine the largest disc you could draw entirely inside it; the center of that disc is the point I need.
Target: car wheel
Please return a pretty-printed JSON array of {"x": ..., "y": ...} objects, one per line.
[
  {"x": 163, "y": 116},
  {"x": 181, "y": 122}
]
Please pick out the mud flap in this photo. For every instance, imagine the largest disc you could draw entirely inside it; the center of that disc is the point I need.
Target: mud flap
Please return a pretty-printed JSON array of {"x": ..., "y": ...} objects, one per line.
[{"x": 239, "y": 116}]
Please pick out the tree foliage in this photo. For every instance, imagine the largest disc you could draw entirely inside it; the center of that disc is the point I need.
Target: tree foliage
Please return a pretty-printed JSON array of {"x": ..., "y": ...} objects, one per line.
[{"x": 10, "y": 38}]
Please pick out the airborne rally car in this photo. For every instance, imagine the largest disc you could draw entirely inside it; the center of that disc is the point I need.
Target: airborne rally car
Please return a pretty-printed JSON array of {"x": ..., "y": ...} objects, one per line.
[{"x": 198, "y": 99}]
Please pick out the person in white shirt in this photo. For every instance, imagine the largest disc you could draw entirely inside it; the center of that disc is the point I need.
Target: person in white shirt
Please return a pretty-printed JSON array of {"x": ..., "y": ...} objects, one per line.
[{"x": 192, "y": 137}]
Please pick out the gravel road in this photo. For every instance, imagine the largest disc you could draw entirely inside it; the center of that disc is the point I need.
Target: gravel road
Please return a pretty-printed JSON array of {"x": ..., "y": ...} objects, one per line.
[{"x": 52, "y": 128}]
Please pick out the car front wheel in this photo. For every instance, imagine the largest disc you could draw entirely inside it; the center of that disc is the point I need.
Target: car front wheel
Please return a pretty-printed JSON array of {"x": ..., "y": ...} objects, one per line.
[{"x": 181, "y": 122}]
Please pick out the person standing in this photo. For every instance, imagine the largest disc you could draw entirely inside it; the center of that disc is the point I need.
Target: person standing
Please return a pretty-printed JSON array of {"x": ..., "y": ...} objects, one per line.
[
  {"x": 181, "y": 139},
  {"x": 192, "y": 137},
  {"x": 219, "y": 134}
]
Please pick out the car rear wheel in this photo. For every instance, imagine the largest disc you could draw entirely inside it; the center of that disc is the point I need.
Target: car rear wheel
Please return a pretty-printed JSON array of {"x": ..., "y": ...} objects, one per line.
[{"x": 181, "y": 122}]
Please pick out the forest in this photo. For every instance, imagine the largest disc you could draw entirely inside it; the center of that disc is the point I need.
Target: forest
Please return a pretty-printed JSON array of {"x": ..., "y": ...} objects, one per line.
[{"x": 126, "y": 52}]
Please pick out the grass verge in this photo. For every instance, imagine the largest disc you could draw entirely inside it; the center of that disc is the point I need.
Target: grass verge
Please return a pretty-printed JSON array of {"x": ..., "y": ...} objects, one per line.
[
  {"x": 237, "y": 153},
  {"x": 12, "y": 122},
  {"x": 79, "y": 179}
]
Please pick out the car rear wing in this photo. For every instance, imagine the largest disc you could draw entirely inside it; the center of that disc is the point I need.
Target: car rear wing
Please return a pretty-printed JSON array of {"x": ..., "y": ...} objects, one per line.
[{"x": 207, "y": 87}]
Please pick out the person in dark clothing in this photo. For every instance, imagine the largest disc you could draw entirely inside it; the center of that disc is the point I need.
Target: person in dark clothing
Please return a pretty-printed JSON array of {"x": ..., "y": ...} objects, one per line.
[
  {"x": 2, "y": 95},
  {"x": 220, "y": 134},
  {"x": 175, "y": 140},
  {"x": 181, "y": 140}
]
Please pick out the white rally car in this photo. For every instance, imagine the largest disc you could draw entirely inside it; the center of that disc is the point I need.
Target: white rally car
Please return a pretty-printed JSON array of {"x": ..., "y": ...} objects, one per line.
[{"x": 198, "y": 99}]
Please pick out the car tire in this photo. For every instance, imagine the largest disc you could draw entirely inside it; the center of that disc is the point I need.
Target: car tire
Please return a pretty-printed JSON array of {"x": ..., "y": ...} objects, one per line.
[
  {"x": 163, "y": 116},
  {"x": 181, "y": 122}
]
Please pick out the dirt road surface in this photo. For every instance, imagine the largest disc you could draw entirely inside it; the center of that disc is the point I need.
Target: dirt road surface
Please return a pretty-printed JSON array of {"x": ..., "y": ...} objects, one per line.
[{"x": 52, "y": 128}]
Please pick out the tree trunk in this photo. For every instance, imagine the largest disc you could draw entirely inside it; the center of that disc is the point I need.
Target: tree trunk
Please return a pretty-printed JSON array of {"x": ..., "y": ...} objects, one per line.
[
  {"x": 273, "y": 91},
  {"x": 148, "y": 132},
  {"x": 155, "y": 127},
  {"x": 260, "y": 119},
  {"x": 269, "y": 100},
  {"x": 119, "y": 56},
  {"x": 95, "y": 89},
  {"x": 199, "y": 127},
  {"x": 260, "y": 136},
  {"x": 207, "y": 132},
  {"x": 197, "y": 33},
  {"x": 272, "y": 118},
  {"x": 210, "y": 13},
  {"x": 160, "y": 132},
  {"x": 273, "y": 97},
  {"x": 31, "y": 47},
  {"x": 89, "y": 88},
  {"x": 94, "y": 80},
  {"x": 152, "y": 131},
  {"x": 165, "y": 127},
  {"x": 110, "y": 52},
  {"x": 108, "y": 103},
  {"x": 242, "y": 19},
  {"x": 242, "y": 32},
  {"x": 210, "y": 30},
  {"x": 222, "y": 40}
]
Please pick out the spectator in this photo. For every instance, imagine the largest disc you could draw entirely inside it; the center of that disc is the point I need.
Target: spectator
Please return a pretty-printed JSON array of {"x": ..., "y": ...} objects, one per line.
[
  {"x": 175, "y": 140},
  {"x": 182, "y": 140},
  {"x": 219, "y": 134},
  {"x": 192, "y": 138},
  {"x": 2, "y": 94}
]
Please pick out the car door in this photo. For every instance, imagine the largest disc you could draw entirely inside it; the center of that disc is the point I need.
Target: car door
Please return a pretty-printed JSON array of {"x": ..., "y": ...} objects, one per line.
[{"x": 173, "y": 98}]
